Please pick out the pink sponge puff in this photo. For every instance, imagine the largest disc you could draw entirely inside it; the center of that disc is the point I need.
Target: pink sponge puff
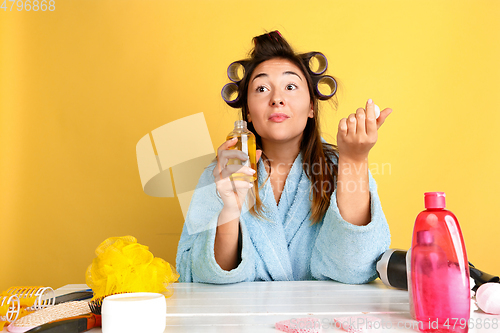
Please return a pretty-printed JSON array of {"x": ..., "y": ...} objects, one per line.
[
  {"x": 300, "y": 325},
  {"x": 488, "y": 298}
]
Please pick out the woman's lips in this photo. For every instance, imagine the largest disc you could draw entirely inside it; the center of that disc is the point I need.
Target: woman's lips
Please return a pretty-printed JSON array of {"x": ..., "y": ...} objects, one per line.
[{"x": 278, "y": 117}]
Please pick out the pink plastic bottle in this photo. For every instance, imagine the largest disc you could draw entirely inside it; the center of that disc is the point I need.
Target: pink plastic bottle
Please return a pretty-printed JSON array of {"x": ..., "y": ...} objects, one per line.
[{"x": 438, "y": 277}]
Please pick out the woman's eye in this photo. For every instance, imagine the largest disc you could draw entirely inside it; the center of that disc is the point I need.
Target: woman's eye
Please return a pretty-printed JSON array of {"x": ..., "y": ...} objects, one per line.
[
  {"x": 291, "y": 86},
  {"x": 261, "y": 89}
]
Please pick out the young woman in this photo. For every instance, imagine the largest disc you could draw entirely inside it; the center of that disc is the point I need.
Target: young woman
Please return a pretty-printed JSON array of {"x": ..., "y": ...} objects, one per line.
[{"x": 315, "y": 212}]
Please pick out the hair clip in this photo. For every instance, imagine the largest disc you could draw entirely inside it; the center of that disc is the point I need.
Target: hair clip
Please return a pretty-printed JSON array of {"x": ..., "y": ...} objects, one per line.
[
  {"x": 313, "y": 60},
  {"x": 274, "y": 37},
  {"x": 236, "y": 71},
  {"x": 322, "y": 82},
  {"x": 230, "y": 94}
]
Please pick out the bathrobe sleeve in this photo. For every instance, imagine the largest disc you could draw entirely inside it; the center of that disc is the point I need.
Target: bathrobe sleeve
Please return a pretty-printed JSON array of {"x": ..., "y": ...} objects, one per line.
[
  {"x": 348, "y": 253},
  {"x": 195, "y": 261}
]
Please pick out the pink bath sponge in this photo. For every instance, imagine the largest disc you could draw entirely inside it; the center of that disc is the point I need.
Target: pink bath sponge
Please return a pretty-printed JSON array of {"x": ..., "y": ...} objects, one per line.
[{"x": 299, "y": 325}]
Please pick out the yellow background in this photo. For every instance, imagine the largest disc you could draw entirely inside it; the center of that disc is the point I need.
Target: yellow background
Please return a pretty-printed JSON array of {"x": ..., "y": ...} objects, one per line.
[{"x": 79, "y": 87}]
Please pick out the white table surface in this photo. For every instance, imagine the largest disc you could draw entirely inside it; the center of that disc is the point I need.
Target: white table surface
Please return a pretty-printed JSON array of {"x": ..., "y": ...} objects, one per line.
[{"x": 257, "y": 306}]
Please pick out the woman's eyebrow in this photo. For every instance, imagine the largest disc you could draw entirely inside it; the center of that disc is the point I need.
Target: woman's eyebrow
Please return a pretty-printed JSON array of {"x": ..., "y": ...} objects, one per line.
[
  {"x": 292, "y": 73},
  {"x": 259, "y": 75},
  {"x": 284, "y": 73}
]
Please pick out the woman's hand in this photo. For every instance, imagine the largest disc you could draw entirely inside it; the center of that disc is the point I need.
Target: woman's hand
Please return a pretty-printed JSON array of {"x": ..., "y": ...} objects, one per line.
[
  {"x": 358, "y": 133},
  {"x": 232, "y": 192}
]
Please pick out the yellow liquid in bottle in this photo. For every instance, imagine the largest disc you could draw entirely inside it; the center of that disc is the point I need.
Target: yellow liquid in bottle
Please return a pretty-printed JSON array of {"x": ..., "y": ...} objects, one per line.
[{"x": 246, "y": 143}]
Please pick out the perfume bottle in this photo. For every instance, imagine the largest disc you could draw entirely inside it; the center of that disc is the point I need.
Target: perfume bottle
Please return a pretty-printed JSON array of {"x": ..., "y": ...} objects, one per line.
[
  {"x": 246, "y": 143},
  {"x": 438, "y": 275}
]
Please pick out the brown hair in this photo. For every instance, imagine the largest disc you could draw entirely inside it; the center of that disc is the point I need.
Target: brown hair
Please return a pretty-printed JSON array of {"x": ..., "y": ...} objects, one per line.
[{"x": 314, "y": 152}]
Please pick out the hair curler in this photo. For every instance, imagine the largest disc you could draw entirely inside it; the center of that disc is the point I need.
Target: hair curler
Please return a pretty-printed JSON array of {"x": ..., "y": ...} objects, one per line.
[
  {"x": 236, "y": 71},
  {"x": 391, "y": 269},
  {"x": 9, "y": 309},
  {"x": 33, "y": 298},
  {"x": 315, "y": 59},
  {"x": 325, "y": 80},
  {"x": 230, "y": 94}
]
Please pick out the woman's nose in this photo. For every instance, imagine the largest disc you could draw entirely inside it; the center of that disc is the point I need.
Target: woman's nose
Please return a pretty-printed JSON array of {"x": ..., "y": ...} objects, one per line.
[{"x": 276, "y": 100}]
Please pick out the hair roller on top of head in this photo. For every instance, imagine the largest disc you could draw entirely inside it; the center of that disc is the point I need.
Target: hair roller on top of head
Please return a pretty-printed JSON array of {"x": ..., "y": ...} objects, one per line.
[
  {"x": 231, "y": 95},
  {"x": 316, "y": 62},
  {"x": 325, "y": 82}
]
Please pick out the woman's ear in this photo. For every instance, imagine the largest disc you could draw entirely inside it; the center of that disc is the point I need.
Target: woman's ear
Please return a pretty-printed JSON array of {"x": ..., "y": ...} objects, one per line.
[
  {"x": 249, "y": 118},
  {"x": 311, "y": 111}
]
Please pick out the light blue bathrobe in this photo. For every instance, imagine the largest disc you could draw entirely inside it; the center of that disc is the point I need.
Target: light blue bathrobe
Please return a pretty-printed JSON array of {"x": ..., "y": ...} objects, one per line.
[{"x": 287, "y": 247}]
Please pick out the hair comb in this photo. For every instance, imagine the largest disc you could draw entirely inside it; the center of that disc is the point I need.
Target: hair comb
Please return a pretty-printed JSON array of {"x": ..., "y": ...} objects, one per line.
[{"x": 65, "y": 317}]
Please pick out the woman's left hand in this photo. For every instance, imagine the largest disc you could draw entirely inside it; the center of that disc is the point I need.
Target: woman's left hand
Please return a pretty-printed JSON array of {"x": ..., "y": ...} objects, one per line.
[{"x": 358, "y": 133}]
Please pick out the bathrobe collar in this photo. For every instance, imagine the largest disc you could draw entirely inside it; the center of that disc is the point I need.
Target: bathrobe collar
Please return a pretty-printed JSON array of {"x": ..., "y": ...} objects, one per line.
[{"x": 271, "y": 237}]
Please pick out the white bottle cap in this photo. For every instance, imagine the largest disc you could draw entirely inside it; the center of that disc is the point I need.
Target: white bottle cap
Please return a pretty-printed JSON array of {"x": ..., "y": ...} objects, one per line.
[
  {"x": 134, "y": 312},
  {"x": 377, "y": 111}
]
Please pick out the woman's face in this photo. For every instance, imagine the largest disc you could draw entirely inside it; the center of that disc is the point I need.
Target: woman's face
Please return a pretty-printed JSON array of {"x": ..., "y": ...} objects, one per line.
[{"x": 278, "y": 101}]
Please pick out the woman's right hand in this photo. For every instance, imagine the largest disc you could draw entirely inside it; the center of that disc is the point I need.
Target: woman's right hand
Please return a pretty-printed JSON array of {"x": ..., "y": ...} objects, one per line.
[{"x": 232, "y": 192}]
